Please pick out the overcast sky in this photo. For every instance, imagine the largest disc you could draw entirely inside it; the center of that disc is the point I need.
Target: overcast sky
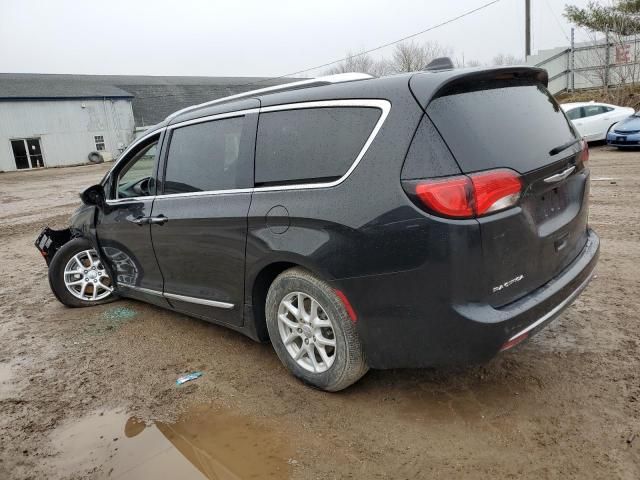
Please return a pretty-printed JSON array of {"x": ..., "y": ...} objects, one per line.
[{"x": 253, "y": 38}]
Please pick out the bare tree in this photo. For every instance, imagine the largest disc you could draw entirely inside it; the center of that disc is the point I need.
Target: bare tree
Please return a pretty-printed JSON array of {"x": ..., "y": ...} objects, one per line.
[
  {"x": 362, "y": 63},
  {"x": 412, "y": 56},
  {"x": 506, "y": 59},
  {"x": 406, "y": 57},
  {"x": 461, "y": 62}
]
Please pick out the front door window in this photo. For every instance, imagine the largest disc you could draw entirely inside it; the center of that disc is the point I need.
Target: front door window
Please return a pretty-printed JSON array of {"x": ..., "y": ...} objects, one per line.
[{"x": 136, "y": 177}]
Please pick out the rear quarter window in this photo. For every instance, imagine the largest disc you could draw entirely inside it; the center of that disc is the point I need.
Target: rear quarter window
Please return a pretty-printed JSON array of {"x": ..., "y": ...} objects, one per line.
[
  {"x": 310, "y": 144},
  {"x": 428, "y": 156}
]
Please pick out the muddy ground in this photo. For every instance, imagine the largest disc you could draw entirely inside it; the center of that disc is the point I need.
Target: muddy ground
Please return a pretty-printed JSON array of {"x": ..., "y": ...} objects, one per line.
[{"x": 90, "y": 393}]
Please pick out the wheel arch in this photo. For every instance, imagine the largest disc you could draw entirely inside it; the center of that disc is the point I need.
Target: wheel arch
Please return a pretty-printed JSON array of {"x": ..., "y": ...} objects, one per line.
[{"x": 258, "y": 286}]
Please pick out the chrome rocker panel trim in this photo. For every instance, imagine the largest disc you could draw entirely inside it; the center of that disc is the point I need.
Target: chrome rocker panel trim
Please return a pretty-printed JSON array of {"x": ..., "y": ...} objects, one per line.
[{"x": 182, "y": 298}]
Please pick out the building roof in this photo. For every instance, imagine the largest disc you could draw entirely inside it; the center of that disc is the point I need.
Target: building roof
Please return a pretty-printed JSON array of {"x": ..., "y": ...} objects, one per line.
[
  {"x": 153, "y": 97},
  {"x": 25, "y": 86}
]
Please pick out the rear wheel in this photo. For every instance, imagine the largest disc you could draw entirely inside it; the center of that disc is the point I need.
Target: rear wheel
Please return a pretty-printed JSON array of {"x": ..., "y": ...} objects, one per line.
[
  {"x": 312, "y": 333},
  {"x": 77, "y": 276}
]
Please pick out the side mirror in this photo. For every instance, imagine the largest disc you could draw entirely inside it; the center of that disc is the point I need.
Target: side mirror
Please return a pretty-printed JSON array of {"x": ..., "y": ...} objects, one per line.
[{"x": 94, "y": 195}]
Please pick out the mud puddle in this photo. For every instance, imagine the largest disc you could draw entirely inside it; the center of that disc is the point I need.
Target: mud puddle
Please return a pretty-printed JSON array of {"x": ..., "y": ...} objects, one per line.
[{"x": 206, "y": 443}]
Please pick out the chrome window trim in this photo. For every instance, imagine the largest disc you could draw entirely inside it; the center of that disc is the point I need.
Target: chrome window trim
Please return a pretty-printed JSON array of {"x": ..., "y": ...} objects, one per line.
[
  {"x": 383, "y": 105},
  {"x": 211, "y": 118},
  {"x": 205, "y": 193},
  {"x": 120, "y": 201},
  {"x": 183, "y": 298}
]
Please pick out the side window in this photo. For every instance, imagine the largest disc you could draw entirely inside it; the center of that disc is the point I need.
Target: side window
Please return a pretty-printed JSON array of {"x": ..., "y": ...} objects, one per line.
[
  {"x": 591, "y": 110},
  {"x": 208, "y": 156},
  {"x": 575, "y": 113},
  {"x": 135, "y": 179},
  {"x": 310, "y": 145}
]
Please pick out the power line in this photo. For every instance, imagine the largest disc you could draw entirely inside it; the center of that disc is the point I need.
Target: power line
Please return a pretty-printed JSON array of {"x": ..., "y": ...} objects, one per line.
[
  {"x": 557, "y": 20},
  {"x": 446, "y": 22}
]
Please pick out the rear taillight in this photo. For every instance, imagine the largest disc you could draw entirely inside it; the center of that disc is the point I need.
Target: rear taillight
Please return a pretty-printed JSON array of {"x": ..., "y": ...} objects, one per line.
[
  {"x": 468, "y": 196},
  {"x": 450, "y": 197},
  {"x": 584, "y": 155},
  {"x": 495, "y": 190}
]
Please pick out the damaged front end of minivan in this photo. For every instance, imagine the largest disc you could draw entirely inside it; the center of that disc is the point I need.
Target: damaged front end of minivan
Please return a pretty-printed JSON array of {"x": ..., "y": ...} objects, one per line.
[{"x": 81, "y": 224}]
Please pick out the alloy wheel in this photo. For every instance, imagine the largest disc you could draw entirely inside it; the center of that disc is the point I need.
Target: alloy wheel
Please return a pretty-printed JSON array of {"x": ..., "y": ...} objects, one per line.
[
  {"x": 307, "y": 332},
  {"x": 86, "y": 278}
]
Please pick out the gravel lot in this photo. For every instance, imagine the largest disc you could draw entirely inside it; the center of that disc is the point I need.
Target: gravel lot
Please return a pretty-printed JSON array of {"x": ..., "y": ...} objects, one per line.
[{"x": 90, "y": 393}]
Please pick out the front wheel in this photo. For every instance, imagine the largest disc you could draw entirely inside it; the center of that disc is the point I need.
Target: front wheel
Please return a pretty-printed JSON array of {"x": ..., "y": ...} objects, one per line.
[
  {"x": 77, "y": 276},
  {"x": 312, "y": 333}
]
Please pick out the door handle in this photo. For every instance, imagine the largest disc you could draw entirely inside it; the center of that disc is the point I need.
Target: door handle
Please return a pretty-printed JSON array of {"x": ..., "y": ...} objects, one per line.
[
  {"x": 559, "y": 176},
  {"x": 139, "y": 220},
  {"x": 159, "y": 220}
]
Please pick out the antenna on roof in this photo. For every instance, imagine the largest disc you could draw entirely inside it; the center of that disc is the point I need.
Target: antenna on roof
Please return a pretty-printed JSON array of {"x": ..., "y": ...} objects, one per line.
[
  {"x": 312, "y": 82},
  {"x": 440, "y": 63}
]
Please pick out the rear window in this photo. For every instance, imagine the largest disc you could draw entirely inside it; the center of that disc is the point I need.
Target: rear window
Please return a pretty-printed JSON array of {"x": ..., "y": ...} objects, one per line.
[
  {"x": 511, "y": 126},
  {"x": 311, "y": 144}
]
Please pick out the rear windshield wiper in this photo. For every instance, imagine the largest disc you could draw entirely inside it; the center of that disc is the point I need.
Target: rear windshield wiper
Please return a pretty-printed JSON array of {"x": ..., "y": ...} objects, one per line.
[{"x": 564, "y": 146}]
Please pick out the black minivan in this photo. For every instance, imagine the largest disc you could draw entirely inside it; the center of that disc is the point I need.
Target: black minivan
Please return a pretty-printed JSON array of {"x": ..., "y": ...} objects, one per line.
[{"x": 421, "y": 219}]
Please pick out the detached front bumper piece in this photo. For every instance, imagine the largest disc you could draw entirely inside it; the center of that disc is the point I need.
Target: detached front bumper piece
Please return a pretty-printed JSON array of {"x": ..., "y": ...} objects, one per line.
[{"x": 50, "y": 240}]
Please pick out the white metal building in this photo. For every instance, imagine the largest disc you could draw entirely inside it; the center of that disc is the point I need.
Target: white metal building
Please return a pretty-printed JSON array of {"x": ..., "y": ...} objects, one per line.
[
  {"x": 58, "y": 119},
  {"x": 47, "y": 124}
]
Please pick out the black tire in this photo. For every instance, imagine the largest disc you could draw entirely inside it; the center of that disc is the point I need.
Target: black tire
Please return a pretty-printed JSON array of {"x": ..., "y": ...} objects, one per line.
[
  {"x": 95, "y": 157},
  {"x": 349, "y": 363},
  {"x": 56, "y": 274}
]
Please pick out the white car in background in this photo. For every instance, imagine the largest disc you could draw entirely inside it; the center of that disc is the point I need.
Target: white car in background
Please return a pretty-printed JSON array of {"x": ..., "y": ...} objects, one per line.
[{"x": 593, "y": 120}]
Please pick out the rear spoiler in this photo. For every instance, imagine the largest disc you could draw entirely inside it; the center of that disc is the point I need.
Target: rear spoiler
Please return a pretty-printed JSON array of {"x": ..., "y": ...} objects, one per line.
[{"x": 427, "y": 86}]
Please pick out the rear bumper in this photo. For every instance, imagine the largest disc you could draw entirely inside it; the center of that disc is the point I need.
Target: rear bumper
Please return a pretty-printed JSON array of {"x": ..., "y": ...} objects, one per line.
[{"x": 403, "y": 327}]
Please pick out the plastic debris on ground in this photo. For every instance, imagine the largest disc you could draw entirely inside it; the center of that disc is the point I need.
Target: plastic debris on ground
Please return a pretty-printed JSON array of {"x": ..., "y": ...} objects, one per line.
[{"x": 188, "y": 377}]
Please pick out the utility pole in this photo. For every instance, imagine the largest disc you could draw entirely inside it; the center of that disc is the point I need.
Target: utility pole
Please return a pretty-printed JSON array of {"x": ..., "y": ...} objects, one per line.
[
  {"x": 527, "y": 28},
  {"x": 572, "y": 60},
  {"x": 607, "y": 60}
]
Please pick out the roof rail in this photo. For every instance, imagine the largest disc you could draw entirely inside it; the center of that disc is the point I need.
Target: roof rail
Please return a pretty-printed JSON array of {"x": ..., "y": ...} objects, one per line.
[{"x": 312, "y": 82}]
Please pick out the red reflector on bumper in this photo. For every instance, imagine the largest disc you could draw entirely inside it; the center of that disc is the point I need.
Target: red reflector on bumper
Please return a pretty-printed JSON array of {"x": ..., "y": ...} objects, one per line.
[{"x": 514, "y": 341}]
